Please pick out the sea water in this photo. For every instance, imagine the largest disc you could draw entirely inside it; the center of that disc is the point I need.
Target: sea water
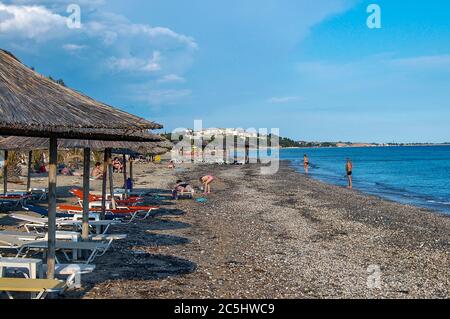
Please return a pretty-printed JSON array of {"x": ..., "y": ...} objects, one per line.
[{"x": 412, "y": 175}]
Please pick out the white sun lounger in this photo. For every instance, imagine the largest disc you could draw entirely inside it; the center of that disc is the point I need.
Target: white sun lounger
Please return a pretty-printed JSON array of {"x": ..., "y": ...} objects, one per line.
[
  {"x": 11, "y": 243},
  {"x": 97, "y": 249},
  {"x": 37, "y": 223},
  {"x": 73, "y": 271}
]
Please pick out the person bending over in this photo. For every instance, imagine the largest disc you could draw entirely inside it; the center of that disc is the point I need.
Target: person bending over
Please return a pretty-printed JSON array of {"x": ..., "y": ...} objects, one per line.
[{"x": 206, "y": 181}]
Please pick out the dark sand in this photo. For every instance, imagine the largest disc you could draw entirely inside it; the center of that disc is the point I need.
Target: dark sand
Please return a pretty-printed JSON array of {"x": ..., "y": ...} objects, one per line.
[{"x": 280, "y": 236}]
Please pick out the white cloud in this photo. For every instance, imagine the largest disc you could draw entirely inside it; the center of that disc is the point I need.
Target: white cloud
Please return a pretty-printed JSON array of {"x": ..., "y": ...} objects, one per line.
[
  {"x": 285, "y": 99},
  {"x": 167, "y": 97},
  {"x": 136, "y": 64},
  {"x": 70, "y": 47},
  {"x": 424, "y": 62},
  {"x": 171, "y": 78},
  {"x": 57, "y": 3},
  {"x": 31, "y": 22},
  {"x": 145, "y": 93}
]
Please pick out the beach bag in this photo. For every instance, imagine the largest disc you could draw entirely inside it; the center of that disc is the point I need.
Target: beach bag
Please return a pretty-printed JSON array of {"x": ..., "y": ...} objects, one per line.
[{"x": 129, "y": 184}]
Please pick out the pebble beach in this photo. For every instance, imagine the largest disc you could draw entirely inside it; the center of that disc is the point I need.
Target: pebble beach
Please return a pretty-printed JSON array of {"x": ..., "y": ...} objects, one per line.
[{"x": 274, "y": 236}]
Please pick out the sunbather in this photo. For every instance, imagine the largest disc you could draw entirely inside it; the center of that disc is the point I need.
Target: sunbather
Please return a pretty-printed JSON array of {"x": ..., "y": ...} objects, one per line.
[
  {"x": 182, "y": 188},
  {"x": 65, "y": 170},
  {"x": 97, "y": 172},
  {"x": 117, "y": 165}
]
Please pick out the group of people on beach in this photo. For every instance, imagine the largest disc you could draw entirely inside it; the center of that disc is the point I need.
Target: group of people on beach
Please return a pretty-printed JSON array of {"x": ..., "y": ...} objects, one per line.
[
  {"x": 348, "y": 169},
  {"x": 182, "y": 187}
]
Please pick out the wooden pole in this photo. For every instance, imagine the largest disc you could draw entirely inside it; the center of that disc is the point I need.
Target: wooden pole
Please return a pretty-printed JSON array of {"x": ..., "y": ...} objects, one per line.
[
  {"x": 258, "y": 152},
  {"x": 235, "y": 140},
  {"x": 247, "y": 150},
  {"x": 30, "y": 159},
  {"x": 105, "y": 170},
  {"x": 52, "y": 208},
  {"x": 224, "y": 143},
  {"x": 125, "y": 175},
  {"x": 192, "y": 150},
  {"x": 111, "y": 181},
  {"x": 86, "y": 189},
  {"x": 131, "y": 173},
  {"x": 5, "y": 173}
]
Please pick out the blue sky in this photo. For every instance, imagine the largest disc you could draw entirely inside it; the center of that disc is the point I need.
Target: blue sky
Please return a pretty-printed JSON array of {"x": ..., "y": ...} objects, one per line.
[{"x": 311, "y": 68}]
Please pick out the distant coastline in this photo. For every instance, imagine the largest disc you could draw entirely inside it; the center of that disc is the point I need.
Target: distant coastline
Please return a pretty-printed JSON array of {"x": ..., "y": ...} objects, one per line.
[{"x": 361, "y": 145}]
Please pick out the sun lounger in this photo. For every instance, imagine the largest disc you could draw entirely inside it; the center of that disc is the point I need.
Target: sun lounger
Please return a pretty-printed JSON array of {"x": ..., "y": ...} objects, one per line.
[
  {"x": 62, "y": 213},
  {"x": 39, "y": 194},
  {"x": 96, "y": 249},
  {"x": 44, "y": 212},
  {"x": 11, "y": 243},
  {"x": 41, "y": 287},
  {"x": 133, "y": 210},
  {"x": 184, "y": 194},
  {"x": 39, "y": 223},
  {"x": 119, "y": 212},
  {"x": 135, "y": 193},
  {"x": 34, "y": 236},
  {"x": 95, "y": 198},
  {"x": 73, "y": 272},
  {"x": 14, "y": 200}
]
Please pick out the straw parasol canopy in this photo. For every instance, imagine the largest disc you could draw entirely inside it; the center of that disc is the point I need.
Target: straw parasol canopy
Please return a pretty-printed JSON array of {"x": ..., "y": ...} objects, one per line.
[
  {"x": 20, "y": 143},
  {"x": 32, "y": 105}
]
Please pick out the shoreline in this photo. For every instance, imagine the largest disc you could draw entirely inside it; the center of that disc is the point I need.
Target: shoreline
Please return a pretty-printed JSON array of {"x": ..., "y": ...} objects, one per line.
[
  {"x": 368, "y": 146},
  {"x": 278, "y": 236},
  {"x": 436, "y": 208}
]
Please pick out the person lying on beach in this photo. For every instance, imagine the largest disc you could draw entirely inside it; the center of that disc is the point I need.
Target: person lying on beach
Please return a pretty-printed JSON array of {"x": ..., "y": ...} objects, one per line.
[
  {"x": 171, "y": 165},
  {"x": 306, "y": 164},
  {"x": 97, "y": 172},
  {"x": 182, "y": 188},
  {"x": 349, "y": 169},
  {"x": 206, "y": 181},
  {"x": 66, "y": 171}
]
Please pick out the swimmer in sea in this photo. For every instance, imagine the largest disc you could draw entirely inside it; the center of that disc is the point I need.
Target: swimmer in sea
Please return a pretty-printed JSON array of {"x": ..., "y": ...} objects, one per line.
[{"x": 306, "y": 164}]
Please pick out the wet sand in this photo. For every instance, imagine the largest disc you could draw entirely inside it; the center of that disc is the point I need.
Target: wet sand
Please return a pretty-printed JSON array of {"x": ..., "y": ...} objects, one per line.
[{"x": 280, "y": 236}]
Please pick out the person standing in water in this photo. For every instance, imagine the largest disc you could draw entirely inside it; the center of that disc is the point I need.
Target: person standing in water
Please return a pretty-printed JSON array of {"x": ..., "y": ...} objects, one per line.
[
  {"x": 349, "y": 169},
  {"x": 306, "y": 164}
]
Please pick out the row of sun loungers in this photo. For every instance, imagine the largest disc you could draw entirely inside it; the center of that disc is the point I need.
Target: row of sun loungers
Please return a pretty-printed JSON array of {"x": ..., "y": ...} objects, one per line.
[
  {"x": 20, "y": 198},
  {"x": 74, "y": 256}
]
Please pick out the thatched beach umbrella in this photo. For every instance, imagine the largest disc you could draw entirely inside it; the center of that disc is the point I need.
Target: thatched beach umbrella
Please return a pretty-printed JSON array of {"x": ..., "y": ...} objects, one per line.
[
  {"x": 32, "y": 105},
  {"x": 157, "y": 145}
]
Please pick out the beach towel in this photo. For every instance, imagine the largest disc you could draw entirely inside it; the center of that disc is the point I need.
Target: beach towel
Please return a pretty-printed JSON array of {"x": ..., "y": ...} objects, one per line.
[{"x": 201, "y": 200}]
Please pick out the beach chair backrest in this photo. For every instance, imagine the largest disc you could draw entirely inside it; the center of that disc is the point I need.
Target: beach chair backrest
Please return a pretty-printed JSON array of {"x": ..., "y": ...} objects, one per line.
[
  {"x": 29, "y": 219},
  {"x": 36, "y": 209},
  {"x": 79, "y": 193},
  {"x": 44, "y": 212}
]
